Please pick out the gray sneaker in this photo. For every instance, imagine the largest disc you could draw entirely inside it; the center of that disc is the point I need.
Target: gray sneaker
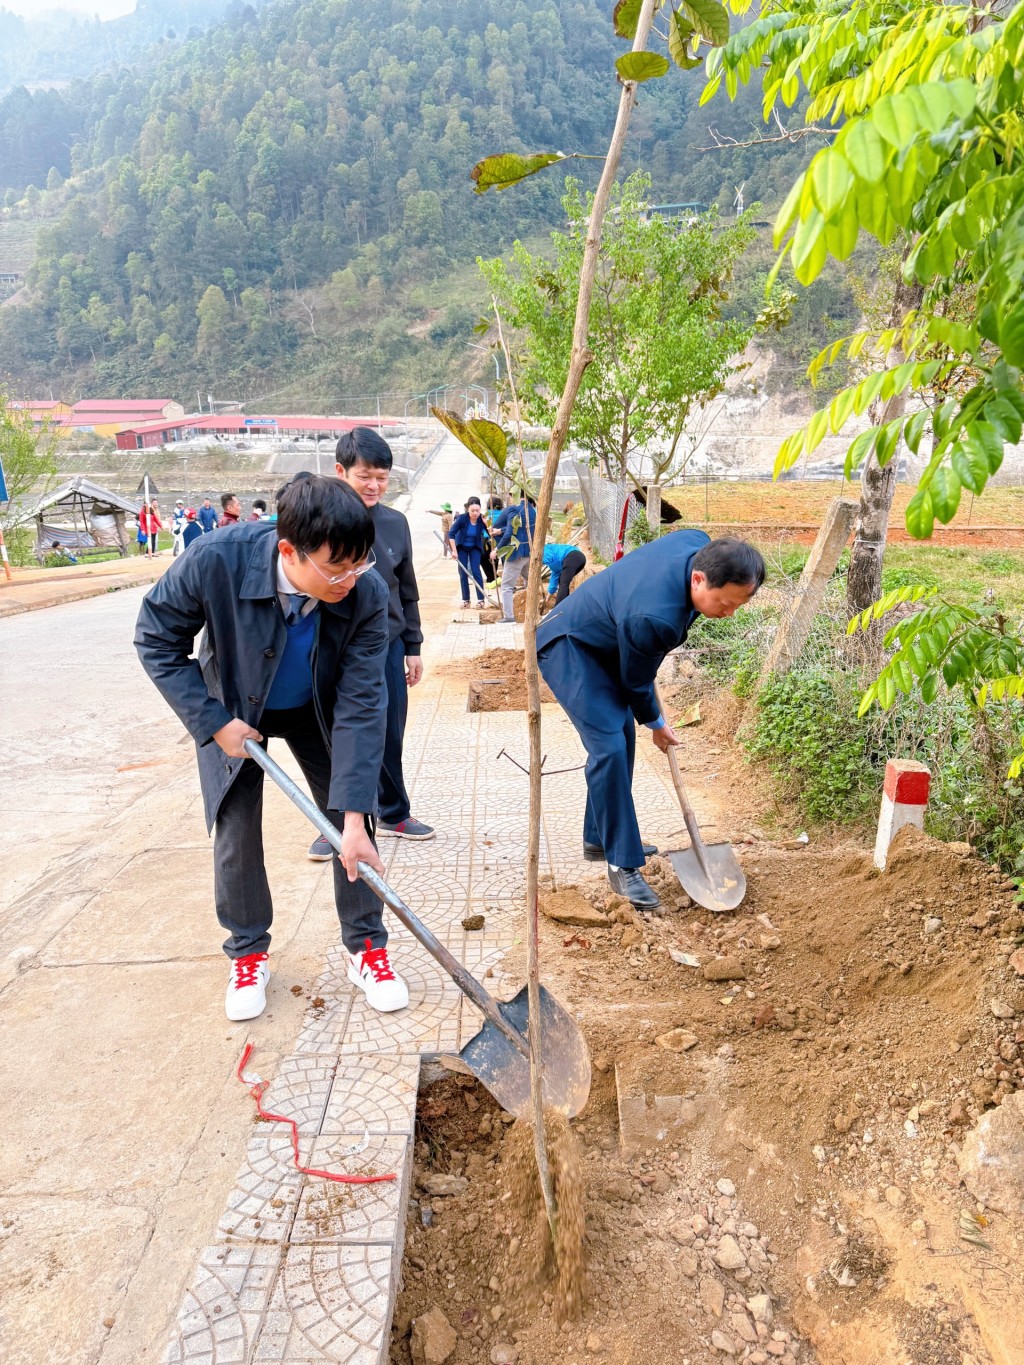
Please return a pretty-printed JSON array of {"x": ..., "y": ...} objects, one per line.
[
  {"x": 406, "y": 829},
  {"x": 320, "y": 851}
]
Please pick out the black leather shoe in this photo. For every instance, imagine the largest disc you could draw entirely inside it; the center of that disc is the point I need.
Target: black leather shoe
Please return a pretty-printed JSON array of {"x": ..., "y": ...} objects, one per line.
[
  {"x": 594, "y": 853},
  {"x": 627, "y": 881}
]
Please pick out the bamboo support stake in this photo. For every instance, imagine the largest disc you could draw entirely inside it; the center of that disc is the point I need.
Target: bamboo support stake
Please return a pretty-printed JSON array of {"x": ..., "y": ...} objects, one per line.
[{"x": 580, "y": 358}]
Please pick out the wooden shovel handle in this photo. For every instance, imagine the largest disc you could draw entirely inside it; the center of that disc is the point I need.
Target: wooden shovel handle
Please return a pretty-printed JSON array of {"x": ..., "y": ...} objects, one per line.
[{"x": 689, "y": 817}]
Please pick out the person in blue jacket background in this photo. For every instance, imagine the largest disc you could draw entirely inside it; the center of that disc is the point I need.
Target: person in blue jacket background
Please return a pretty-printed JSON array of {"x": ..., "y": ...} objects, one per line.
[
  {"x": 513, "y": 529},
  {"x": 600, "y": 650},
  {"x": 468, "y": 537},
  {"x": 563, "y": 563}
]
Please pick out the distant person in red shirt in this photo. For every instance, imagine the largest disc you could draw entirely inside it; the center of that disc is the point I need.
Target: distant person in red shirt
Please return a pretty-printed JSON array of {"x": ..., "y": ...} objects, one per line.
[{"x": 232, "y": 513}]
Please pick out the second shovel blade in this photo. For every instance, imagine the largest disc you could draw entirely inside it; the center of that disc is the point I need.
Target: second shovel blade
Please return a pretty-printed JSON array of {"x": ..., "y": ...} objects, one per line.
[
  {"x": 725, "y": 885},
  {"x": 499, "y": 1065}
]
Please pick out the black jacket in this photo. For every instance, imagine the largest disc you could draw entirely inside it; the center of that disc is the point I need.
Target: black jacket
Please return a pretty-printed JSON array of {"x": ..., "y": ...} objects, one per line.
[
  {"x": 392, "y": 546},
  {"x": 227, "y": 583}
]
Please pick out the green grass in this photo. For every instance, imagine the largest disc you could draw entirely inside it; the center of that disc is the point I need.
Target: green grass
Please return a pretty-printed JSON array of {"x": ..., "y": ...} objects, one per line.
[{"x": 961, "y": 574}]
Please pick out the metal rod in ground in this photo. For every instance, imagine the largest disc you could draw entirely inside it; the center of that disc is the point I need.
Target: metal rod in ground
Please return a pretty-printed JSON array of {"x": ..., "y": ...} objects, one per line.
[{"x": 466, "y": 574}]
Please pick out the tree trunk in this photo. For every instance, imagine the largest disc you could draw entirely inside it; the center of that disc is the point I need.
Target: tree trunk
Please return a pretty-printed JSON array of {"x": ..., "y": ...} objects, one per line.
[
  {"x": 654, "y": 509},
  {"x": 877, "y": 485}
]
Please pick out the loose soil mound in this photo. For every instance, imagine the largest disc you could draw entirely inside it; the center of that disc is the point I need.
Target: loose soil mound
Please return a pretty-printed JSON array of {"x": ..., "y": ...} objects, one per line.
[
  {"x": 807, "y": 1205},
  {"x": 503, "y": 673}
]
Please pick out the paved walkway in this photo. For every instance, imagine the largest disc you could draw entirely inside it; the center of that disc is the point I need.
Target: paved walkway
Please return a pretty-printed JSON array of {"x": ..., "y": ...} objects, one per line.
[
  {"x": 143, "y": 1216},
  {"x": 29, "y": 589}
]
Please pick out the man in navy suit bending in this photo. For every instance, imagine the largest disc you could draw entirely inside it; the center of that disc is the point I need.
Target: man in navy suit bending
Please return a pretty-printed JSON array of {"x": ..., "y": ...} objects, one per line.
[{"x": 600, "y": 651}]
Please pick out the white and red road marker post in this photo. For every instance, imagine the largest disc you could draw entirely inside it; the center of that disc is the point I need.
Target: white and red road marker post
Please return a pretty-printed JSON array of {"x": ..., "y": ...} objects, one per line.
[{"x": 904, "y": 798}]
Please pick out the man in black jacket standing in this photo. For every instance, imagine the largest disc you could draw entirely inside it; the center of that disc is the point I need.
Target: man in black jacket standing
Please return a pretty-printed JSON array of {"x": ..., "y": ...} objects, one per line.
[
  {"x": 295, "y": 639},
  {"x": 363, "y": 461}
]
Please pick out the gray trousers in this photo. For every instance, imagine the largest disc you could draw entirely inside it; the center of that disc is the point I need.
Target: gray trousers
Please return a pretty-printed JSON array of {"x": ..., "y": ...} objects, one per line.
[
  {"x": 241, "y": 890},
  {"x": 511, "y": 572}
]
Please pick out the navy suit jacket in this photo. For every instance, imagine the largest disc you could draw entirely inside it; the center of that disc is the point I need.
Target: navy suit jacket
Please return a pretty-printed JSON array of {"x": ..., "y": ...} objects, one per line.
[
  {"x": 632, "y": 614},
  {"x": 226, "y": 587}
]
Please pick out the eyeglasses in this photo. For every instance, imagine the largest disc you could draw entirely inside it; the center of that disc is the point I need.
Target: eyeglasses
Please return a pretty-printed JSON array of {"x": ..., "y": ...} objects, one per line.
[{"x": 350, "y": 575}]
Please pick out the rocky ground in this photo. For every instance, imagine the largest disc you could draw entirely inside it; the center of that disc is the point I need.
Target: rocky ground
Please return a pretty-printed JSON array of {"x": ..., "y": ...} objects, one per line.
[{"x": 805, "y": 1137}]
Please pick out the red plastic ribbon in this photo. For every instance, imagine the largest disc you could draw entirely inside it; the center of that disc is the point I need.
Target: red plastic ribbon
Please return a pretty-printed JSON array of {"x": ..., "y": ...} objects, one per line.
[{"x": 256, "y": 1089}]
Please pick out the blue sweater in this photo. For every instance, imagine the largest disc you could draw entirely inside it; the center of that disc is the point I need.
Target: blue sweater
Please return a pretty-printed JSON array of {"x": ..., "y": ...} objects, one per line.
[{"x": 293, "y": 681}]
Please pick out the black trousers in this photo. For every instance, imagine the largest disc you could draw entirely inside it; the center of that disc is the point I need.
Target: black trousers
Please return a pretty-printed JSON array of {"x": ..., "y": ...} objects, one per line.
[
  {"x": 241, "y": 890},
  {"x": 574, "y": 561},
  {"x": 392, "y": 797}
]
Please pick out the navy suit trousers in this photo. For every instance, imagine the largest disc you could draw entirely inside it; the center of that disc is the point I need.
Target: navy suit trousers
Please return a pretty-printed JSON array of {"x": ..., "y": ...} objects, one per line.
[
  {"x": 241, "y": 889},
  {"x": 591, "y": 696},
  {"x": 392, "y": 797}
]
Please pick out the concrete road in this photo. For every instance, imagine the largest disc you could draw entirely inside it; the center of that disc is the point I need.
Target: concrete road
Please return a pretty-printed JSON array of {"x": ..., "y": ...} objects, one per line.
[{"x": 123, "y": 1123}]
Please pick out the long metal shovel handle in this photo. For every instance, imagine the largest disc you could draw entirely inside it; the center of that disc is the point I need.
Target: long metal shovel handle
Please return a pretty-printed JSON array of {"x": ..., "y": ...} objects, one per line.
[
  {"x": 689, "y": 817},
  {"x": 466, "y": 982}
]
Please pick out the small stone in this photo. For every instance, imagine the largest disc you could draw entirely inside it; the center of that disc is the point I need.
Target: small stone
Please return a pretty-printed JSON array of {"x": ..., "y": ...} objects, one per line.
[
  {"x": 725, "y": 1187},
  {"x": 1001, "y": 1009},
  {"x": 769, "y": 942},
  {"x": 894, "y": 1196},
  {"x": 677, "y": 1040},
  {"x": 688, "y": 1264},
  {"x": 601, "y": 1063},
  {"x": 992, "y": 1157},
  {"x": 723, "y": 1343},
  {"x": 594, "y": 1344},
  {"x": 569, "y": 907},
  {"x": 433, "y": 1338},
  {"x": 631, "y": 936},
  {"x": 760, "y": 1307},
  {"x": 712, "y": 1295},
  {"x": 497, "y": 1313},
  {"x": 504, "y": 1353},
  {"x": 927, "y": 1107},
  {"x": 442, "y": 1185},
  {"x": 108, "y": 1323},
  {"x": 1017, "y": 961},
  {"x": 729, "y": 1256},
  {"x": 918, "y": 1227},
  {"x": 724, "y": 969},
  {"x": 842, "y": 1123},
  {"x": 741, "y": 1326},
  {"x": 473, "y": 922},
  {"x": 932, "y": 924}
]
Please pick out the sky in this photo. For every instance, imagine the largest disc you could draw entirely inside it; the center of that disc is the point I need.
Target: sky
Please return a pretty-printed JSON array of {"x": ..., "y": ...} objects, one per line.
[{"x": 106, "y": 9}]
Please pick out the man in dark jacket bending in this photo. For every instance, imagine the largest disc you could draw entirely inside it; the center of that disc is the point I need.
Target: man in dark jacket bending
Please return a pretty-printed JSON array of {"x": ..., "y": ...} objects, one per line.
[
  {"x": 294, "y": 645},
  {"x": 600, "y": 651}
]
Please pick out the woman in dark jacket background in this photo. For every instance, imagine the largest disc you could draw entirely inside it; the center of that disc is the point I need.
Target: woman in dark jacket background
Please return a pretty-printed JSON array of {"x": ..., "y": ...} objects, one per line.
[{"x": 467, "y": 537}]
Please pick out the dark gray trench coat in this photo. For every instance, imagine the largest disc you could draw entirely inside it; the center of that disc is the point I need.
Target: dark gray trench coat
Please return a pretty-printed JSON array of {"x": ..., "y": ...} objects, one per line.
[{"x": 226, "y": 586}]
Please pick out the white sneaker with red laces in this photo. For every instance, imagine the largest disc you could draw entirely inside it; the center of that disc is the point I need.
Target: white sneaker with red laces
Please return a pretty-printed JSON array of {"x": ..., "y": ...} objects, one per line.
[
  {"x": 372, "y": 972},
  {"x": 247, "y": 988}
]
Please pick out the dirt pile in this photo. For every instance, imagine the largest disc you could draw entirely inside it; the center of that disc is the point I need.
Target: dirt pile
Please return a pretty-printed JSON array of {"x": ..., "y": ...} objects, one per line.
[{"x": 497, "y": 680}]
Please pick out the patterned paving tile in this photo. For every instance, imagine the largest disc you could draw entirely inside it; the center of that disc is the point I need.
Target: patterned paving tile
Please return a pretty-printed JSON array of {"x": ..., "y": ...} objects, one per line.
[
  {"x": 223, "y": 1309},
  {"x": 262, "y": 1204},
  {"x": 299, "y": 1091},
  {"x": 375, "y": 1093},
  {"x": 331, "y": 1212},
  {"x": 331, "y": 1304}
]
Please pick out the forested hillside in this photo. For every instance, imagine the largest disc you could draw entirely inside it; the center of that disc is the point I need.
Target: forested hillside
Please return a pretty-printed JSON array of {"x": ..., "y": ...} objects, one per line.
[{"x": 290, "y": 194}]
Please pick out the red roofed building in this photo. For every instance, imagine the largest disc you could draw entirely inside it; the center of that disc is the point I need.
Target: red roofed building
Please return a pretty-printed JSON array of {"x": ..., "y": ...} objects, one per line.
[
  {"x": 108, "y": 416},
  {"x": 148, "y": 435},
  {"x": 53, "y": 414}
]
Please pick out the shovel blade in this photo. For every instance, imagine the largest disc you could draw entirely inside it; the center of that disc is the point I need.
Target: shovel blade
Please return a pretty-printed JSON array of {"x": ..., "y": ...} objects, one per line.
[
  {"x": 724, "y": 885},
  {"x": 499, "y": 1065}
]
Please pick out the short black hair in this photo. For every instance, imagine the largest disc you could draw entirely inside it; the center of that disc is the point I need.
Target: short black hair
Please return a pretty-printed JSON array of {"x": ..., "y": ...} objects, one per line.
[
  {"x": 728, "y": 560},
  {"x": 471, "y": 501},
  {"x": 302, "y": 474},
  {"x": 494, "y": 503},
  {"x": 225, "y": 498},
  {"x": 365, "y": 446},
  {"x": 314, "y": 511},
  {"x": 260, "y": 504}
]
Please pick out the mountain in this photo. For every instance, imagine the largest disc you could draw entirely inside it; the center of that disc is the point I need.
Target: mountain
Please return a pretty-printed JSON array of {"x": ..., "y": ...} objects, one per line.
[
  {"x": 288, "y": 195},
  {"x": 57, "y": 46}
]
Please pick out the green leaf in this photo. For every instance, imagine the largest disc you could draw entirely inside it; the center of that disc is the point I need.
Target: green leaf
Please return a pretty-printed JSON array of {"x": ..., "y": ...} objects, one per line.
[
  {"x": 508, "y": 168},
  {"x": 1005, "y": 419},
  {"x": 709, "y": 18},
  {"x": 971, "y": 469},
  {"x": 914, "y": 430},
  {"x": 929, "y": 688},
  {"x": 1011, "y": 335},
  {"x": 920, "y": 515},
  {"x": 888, "y": 439},
  {"x": 897, "y": 120},
  {"x": 680, "y": 40},
  {"x": 831, "y": 181},
  {"x": 625, "y": 16},
  {"x": 859, "y": 449},
  {"x": 789, "y": 212},
  {"x": 945, "y": 493},
  {"x": 865, "y": 151},
  {"x": 809, "y": 254},
  {"x": 842, "y": 234},
  {"x": 641, "y": 66},
  {"x": 485, "y": 439}
]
